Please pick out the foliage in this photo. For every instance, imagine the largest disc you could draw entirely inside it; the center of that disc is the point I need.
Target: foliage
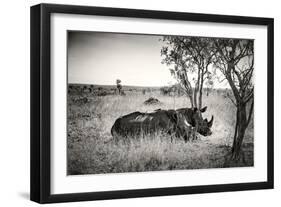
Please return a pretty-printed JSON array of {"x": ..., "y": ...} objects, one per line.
[
  {"x": 190, "y": 59},
  {"x": 235, "y": 59}
]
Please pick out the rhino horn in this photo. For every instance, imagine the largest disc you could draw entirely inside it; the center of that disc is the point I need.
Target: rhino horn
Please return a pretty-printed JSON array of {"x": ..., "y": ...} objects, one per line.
[{"x": 210, "y": 123}]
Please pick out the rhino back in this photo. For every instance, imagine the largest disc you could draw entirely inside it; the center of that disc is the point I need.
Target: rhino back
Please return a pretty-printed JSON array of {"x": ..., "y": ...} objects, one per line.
[{"x": 136, "y": 123}]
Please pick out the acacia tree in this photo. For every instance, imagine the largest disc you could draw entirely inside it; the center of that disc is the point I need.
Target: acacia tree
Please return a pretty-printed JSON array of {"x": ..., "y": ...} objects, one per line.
[
  {"x": 118, "y": 85},
  {"x": 235, "y": 59},
  {"x": 189, "y": 59}
]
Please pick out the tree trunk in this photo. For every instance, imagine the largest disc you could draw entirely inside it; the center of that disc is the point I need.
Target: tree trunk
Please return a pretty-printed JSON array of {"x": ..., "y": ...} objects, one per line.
[
  {"x": 195, "y": 97},
  {"x": 191, "y": 101},
  {"x": 201, "y": 88},
  {"x": 241, "y": 125},
  {"x": 200, "y": 96}
]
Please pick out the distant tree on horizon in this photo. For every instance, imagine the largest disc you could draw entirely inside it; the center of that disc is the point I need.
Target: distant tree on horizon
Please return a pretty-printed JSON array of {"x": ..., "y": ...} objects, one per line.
[{"x": 118, "y": 85}]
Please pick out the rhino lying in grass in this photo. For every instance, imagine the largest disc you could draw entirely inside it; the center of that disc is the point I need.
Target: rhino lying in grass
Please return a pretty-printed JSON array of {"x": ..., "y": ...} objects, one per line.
[{"x": 183, "y": 123}]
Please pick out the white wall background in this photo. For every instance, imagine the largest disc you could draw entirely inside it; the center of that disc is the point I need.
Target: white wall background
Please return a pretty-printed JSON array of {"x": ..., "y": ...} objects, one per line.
[{"x": 14, "y": 102}]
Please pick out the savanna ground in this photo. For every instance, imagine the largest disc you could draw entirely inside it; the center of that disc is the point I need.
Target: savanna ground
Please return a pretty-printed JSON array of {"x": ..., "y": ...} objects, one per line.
[{"x": 92, "y": 150}]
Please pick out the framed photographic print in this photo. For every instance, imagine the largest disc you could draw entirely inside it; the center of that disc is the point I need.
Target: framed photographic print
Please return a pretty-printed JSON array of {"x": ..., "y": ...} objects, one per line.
[{"x": 133, "y": 103}]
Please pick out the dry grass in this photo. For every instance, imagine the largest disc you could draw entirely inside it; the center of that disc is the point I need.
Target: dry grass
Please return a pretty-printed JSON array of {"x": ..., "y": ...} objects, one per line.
[{"x": 91, "y": 148}]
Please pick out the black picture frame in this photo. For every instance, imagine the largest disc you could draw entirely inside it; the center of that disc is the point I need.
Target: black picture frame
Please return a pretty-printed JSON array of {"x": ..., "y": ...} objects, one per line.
[{"x": 41, "y": 98}]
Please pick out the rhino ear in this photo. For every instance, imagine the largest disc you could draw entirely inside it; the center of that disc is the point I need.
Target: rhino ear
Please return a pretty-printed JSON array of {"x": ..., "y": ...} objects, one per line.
[{"x": 203, "y": 109}]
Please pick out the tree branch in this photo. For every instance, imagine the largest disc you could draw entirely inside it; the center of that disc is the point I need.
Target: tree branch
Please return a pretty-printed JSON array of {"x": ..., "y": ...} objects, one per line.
[{"x": 249, "y": 96}]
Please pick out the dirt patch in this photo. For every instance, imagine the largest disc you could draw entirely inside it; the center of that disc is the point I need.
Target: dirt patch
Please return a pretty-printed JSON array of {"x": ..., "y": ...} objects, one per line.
[{"x": 152, "y": 101}]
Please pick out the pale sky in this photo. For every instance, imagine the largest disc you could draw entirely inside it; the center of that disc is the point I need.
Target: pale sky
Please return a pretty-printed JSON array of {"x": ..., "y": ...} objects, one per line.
[{"x": 101, "y": 58}]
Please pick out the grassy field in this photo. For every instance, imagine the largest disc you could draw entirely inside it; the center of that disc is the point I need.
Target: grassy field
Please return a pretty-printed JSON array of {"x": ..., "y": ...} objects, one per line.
[{"x": 92, "y": 150}]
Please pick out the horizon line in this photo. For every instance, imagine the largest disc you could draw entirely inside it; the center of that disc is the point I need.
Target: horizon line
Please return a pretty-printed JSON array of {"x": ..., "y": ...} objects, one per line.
[{"x": 140, "y": 85}]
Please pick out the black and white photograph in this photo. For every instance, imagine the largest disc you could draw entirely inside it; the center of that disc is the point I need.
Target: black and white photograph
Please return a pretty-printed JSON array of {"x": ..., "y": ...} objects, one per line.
[
  {"x": 149, "y": 102},
  {"x": 143, "y": 102}
]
